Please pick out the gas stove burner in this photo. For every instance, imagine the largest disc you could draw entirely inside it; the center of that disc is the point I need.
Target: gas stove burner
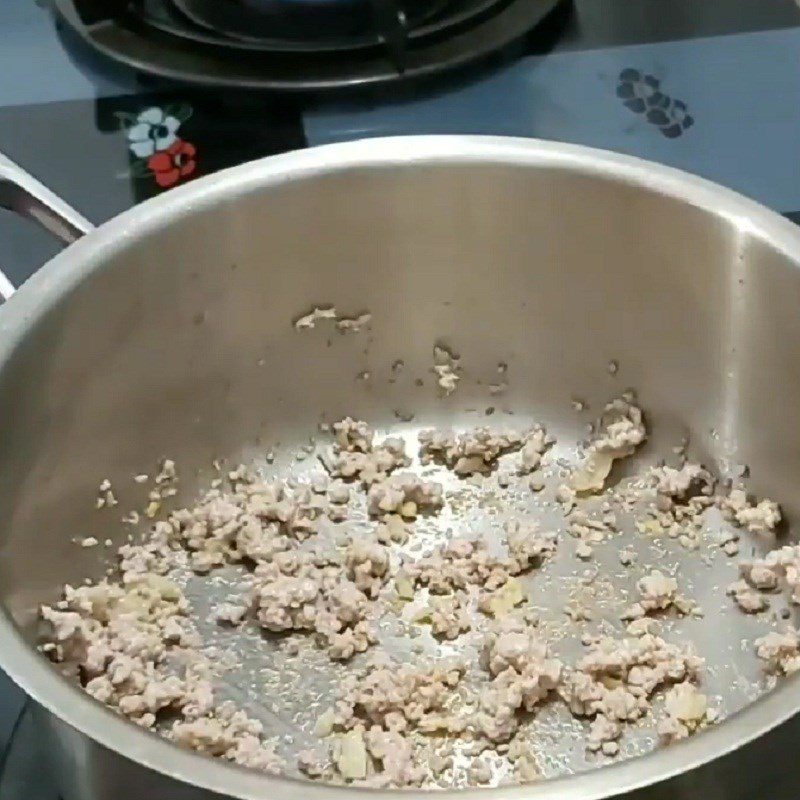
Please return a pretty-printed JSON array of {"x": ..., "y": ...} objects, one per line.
[
  {"x": 336, "y": 24},
  {"x": 300, "y": 45}
]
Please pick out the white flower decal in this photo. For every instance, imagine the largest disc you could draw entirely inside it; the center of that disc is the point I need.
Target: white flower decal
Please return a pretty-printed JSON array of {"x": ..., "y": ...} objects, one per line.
[{"x": 153, "y": 131}]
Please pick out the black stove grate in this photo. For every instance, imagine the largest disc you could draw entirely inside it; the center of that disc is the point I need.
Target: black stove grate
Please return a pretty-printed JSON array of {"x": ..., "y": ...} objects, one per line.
[
  {"x": 362, "y": 43},
  {"x": 349, "y": 25}
]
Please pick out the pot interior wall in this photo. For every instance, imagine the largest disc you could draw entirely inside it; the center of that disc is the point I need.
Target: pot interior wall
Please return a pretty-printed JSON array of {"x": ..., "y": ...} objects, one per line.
[{"x": 181, "y": 342}]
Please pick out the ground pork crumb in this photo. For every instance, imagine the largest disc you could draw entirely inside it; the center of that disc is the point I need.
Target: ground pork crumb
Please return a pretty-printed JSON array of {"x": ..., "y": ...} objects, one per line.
[
  {"x": 166, "y": 472},
  {"x": 338, "y": 493},
  {"x": 780, "y": 565},
  {"x": 124, "y": 637},
  {"x": 477, "y": 451},
  {"x": 343, "y": 324},
  {"x": 747, "y": 598},
  {"x": 355, "y": 456},
  {"x": 385, "y": 705},
  {"x": 761, "y": 517},
  {"x": 523, "y": 675},
  {"x": 395, "y": 755},
  {"x": 533, "y": 448},
  {"x": 584, "y": 551},
  {"x": 457, "y": 565},
  {"x": 590, "y": 530},
  {"x": 405, "y": 495},
  {"x": 780, "y": 651},
  {"x": 252, "y": 522},
  {"x": 682, "y": 497},
  {"x": 398, "y": 696},
  {"x": 450, "y": 615},
  {"x": 353, "y": 324},
  {"x": 480, "y": 772},
  {"x": 468, "y": 562},
  {"x": 399, "y": 723},
  {"x": 294, "y": 594},
  {"x": 368, "y": 565},
  {"x": 603, "y": 733},
  {"x": 621, "y": 428},
  {"x": 105, "y": 495},
  {"x": 658, "y": 591},
  {"x": 527, "y": 545},
  {"x": 446, "y": 368},
  {"x": 232, "y": 735},
  {"x": 465, "y": 562},
  {"x": 680, "y": 484},
  {"x": 617, "y": 677},
  {"x": 309, "y": 321},
  {"x": 353, "y": 435}
]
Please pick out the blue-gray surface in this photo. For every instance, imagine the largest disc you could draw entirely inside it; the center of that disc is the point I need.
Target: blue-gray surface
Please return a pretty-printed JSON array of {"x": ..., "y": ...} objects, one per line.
[
  {"x": 11, "y": 702},
  {"x": 34, "y": 67},
  {"x": 742, "y": 92}
]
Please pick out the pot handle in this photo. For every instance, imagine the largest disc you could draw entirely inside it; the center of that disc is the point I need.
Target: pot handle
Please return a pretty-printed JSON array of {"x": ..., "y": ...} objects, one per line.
[{"x": 22, "y": 193}]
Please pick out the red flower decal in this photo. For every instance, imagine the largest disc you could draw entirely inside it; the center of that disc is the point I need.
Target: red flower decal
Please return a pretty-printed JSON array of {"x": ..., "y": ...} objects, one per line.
[{"x": 174, "y": 163}]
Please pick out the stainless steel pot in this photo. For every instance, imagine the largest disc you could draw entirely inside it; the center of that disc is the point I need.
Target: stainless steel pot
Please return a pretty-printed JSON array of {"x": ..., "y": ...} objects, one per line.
[{"x": 166, "y": 331}]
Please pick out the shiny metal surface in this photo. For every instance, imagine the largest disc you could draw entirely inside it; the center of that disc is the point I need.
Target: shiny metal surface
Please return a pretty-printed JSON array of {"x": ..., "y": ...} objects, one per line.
[
  {"x": 167, "y": 332},
  {"x": 22, "y": 193}
]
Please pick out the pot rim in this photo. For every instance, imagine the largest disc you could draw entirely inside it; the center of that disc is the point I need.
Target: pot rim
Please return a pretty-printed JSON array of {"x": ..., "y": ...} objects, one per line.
[{"x": 91, "y": 253}]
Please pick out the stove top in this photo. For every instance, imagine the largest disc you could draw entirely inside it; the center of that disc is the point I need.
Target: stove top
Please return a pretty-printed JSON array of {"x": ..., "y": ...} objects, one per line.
[
  {"x": 24, "y": 773},
  {"x": 713, "y": 88},
  {"x": 301, "y": 45}
]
